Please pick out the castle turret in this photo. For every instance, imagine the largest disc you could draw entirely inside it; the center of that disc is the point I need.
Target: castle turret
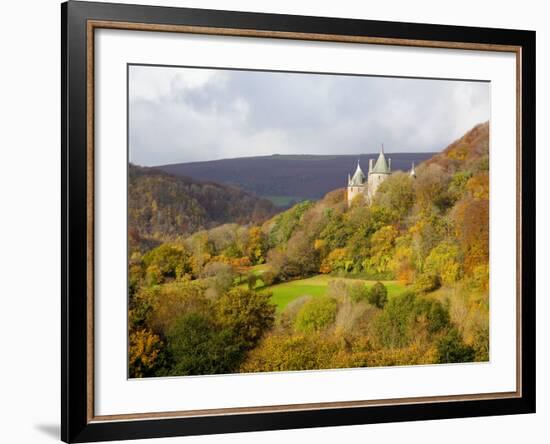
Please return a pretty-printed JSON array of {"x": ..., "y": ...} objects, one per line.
[
  {"x": 357, "y": 184},
  {"x": 379, "y": 173}
]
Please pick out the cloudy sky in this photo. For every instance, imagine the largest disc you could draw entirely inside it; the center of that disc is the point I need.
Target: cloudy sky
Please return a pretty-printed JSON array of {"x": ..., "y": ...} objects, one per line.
[{"x": 190, "y": 114}]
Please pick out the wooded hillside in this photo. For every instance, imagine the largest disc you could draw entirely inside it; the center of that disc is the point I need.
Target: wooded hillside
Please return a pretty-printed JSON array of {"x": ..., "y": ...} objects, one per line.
[
  {"x": 402, "y": 280},
  {"x": 164, "y": 206}
]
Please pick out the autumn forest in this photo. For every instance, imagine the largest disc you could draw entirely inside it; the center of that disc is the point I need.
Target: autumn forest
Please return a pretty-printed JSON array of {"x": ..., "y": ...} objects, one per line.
[{"x": 223, "y": 281}]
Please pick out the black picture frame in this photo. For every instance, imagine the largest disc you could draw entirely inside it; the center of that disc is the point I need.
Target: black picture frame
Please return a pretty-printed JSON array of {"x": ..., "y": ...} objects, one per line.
[{"x": 76, "y": 423}]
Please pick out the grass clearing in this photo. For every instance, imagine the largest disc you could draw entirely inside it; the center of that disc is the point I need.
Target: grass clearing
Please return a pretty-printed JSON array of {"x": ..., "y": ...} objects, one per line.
[
  {"x": 316, "y": 286},
  {"x": 284, "y": 201}
]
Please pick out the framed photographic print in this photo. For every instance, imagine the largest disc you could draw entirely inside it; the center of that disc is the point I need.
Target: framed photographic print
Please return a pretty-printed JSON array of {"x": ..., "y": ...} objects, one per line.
[{"x": 275, "y": 221}]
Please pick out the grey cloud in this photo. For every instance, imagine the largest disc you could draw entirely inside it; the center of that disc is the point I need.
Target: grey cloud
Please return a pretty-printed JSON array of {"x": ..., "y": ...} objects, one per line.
[{"x": 247, "y": 113}]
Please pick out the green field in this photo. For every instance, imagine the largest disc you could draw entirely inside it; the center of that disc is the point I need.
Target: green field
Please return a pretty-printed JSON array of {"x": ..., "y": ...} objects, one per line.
[
  {"x": 285, "y": 293},
  {"x": 284, "y": 201}
]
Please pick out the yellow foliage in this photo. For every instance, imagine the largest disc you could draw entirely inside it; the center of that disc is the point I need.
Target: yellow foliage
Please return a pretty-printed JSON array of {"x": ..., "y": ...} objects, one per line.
[
  {"x": 336, "y": 260},
  {"x": 458, "y": 153},
  {"x": 320, "y": 244},
  {"x": 401, "y": 261},
  {"x": 478, "y": 186},
  {"x": 143, "y": 352}
]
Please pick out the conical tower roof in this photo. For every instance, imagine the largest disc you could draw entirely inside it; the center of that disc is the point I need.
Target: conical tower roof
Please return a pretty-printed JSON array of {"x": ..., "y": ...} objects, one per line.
[
  {"x": 358, "y": 177},
  {"x": 381, "y": 166}
]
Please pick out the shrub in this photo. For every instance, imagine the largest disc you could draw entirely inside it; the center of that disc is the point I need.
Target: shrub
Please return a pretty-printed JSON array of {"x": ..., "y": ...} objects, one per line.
[
  {"x": 316, "y": 314},
  {"x": 378, "y": 295},
  {"x": 451, "y": 348},
  {"x": 438, "y": 317},
  {"x": 427, "y": 282}
]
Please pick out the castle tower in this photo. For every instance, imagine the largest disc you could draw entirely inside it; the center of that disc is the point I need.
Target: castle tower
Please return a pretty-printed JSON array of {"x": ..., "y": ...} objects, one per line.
[
  {"x": 357, "y": 185},
  {"x": 412, "y": 172},
  {"x": 378, "y": 174}
]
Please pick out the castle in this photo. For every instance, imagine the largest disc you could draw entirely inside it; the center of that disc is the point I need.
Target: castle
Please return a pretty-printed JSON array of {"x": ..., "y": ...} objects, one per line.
[{"x": 361, "y": 184}]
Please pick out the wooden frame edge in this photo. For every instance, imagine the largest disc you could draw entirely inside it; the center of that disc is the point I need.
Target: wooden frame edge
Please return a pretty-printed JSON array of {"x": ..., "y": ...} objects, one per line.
[{"x": 335, "y": 38}]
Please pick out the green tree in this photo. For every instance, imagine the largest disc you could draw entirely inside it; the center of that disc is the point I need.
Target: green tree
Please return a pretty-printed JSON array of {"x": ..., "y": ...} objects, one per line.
[
  {"x": 427, "y": 282},
  {"x": 381, "y": 250},
  {"x": 248, "y": 314},
  {"x": 287, "y": 222},
  {"x": 256, "y": 246},
  {"x": 301, "y": 254},
  {"x": 336, "y": 260},
  {"x": 198, "y": 347},
  {"x": 436, "y": 315},
  {"x": 457, "y": 186},
  {"x": 396, "y": 193},
  {"x": 158, "y": 307},
  {"x": 444, "y": 261},
  {"x": 394, "y": 326},
  {"x": 378, "y": 295},
  {"x": 316, "y": 314},
  {"x": 431, "y": 188},
  {"x": 166, "y": 261}
]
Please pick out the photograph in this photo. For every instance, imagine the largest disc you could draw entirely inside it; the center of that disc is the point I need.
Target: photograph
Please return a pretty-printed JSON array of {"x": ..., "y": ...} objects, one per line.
[{"x": 301, "y": 221}]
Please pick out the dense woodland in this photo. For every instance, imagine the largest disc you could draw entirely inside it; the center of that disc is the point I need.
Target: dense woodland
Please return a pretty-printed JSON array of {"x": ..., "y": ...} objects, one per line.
[
  {"x": 201, "y": 299},
  {"x": 162, "y": 206}
]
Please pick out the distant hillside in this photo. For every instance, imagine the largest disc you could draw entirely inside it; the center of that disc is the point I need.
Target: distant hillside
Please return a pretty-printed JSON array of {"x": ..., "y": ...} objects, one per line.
[
  {"x": 166, "y": 205},
  {"x": 283, "y": 178}
]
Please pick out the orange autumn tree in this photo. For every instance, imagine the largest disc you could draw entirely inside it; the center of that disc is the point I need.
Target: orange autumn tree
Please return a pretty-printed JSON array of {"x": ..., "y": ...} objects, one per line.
[{"x": 471, "y": 222}]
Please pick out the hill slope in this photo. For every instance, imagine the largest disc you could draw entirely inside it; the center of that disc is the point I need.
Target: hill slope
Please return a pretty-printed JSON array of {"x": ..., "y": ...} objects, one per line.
[
  {"x": 297, "y": 176},
  {"x": 468, "y": 151},
  {"x": 160, "y": 203}
]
